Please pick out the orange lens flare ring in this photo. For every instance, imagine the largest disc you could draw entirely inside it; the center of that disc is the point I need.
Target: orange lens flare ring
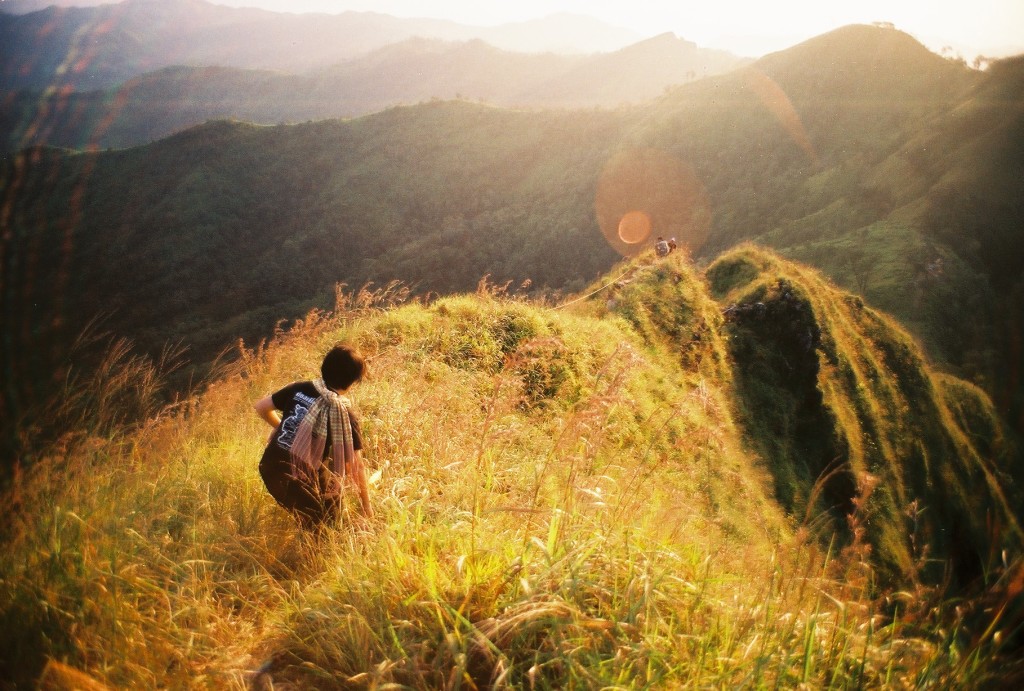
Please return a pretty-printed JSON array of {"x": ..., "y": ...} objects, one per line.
[
  {"x": 646, "y": 193},
  {"x": 634, "y": 227}
]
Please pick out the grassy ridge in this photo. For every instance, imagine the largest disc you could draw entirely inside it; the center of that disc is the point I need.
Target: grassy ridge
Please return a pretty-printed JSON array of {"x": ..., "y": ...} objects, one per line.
[
  {"x": 565, "y": 499},
  {"x": 830, "y": 388}
]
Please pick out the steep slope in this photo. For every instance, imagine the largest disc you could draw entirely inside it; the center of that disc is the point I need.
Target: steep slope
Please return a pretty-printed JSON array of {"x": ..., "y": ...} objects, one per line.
[
  {"x": 942, "y": 251},
  {"x": 840, "y": 403},
  {"x": 975, "y": 208},
  {"x": 376, "y": 199},
  {"x": 353, "y": 182}
]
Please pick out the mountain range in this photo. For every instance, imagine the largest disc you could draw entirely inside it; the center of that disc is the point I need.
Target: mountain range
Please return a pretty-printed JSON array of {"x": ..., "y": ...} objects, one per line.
[
  {"x": 557, "y": 33},
  {"x": 156, "y": 104},
  {"x": 101, "y": 47},
  {"x": 893, "y": 169}
]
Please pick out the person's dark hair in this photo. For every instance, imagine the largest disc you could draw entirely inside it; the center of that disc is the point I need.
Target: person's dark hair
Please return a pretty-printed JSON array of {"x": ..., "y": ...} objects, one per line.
[{"x": 342, "y": 367}]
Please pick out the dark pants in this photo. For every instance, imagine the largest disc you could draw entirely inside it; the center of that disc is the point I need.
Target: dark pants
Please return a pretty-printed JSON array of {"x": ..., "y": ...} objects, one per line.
[{"x": 314, "y": 501}]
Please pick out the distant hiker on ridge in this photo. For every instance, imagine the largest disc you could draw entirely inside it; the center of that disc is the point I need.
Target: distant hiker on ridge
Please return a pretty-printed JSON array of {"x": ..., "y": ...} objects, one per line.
[
  {"x": 314, "y": 450},
  {"x": 661, "y": 247}
]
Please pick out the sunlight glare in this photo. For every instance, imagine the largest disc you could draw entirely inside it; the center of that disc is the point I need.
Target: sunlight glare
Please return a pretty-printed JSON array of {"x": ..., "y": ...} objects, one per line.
[
  {"x": 634, "y": 227},
  {"x": 644, "y": 193},
  {"x": 778, "y": 104}
]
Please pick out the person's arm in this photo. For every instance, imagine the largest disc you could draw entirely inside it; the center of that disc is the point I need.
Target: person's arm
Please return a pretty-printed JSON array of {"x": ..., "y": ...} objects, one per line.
[
  {"x": 357, "y": 471},
  {"x": 266, "y": 409}
]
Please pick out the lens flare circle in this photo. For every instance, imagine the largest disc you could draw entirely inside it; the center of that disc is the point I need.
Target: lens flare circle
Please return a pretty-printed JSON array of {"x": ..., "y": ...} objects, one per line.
[
  {"x": 634, "y": 227},
  {"x": 646, "y": 193}
]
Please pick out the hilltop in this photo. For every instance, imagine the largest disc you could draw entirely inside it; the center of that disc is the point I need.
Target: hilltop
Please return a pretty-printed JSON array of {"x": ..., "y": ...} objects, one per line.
[{"x": 740, "y": 477}]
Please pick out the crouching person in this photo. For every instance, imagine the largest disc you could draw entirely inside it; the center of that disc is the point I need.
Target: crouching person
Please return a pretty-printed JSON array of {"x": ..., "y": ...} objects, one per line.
[{"x": 314, "y": 451}]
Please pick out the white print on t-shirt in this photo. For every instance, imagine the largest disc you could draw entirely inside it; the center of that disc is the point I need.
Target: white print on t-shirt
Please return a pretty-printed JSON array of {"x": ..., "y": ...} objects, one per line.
[{"x": 290, "y": 425}]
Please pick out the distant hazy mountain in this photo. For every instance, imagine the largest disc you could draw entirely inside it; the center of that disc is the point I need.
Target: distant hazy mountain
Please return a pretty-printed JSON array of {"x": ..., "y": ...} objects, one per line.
[
  {"x": 156, "y": 104},
  {"x": 100, "y": 47},
  {"x": 97, "y": 48},
  {"x": 557, "y": 33},
  {"x": 26, "y": 6},
  {"x": 635, "y": 73}
]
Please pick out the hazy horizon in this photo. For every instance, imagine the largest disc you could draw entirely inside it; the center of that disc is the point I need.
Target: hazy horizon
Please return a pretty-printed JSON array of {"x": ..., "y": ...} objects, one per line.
[
  {"x": 988, "y": 27},
  {"x": 991, "y": 28}
]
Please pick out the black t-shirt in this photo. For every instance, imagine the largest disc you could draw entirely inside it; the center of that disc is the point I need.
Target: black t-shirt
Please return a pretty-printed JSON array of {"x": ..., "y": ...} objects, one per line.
[{"x": 294, "y": 401}]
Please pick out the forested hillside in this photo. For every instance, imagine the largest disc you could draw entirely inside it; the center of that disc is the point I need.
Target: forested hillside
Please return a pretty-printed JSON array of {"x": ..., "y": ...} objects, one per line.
[
  {"x": 894, "y": 170},
  {"x": 848, "y": 151}
]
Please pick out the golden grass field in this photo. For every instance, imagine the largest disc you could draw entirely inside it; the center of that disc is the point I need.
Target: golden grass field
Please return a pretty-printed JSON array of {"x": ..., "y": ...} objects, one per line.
[{"x": 564, "y": 499}]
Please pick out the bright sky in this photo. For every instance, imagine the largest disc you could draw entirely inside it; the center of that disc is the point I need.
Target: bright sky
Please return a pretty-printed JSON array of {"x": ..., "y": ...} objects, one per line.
[{"x": 748, "y": 27}]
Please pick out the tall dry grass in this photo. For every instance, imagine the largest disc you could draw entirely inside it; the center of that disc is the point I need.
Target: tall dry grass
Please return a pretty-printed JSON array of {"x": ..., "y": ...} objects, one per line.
[{"x": 558, "y": 505}]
